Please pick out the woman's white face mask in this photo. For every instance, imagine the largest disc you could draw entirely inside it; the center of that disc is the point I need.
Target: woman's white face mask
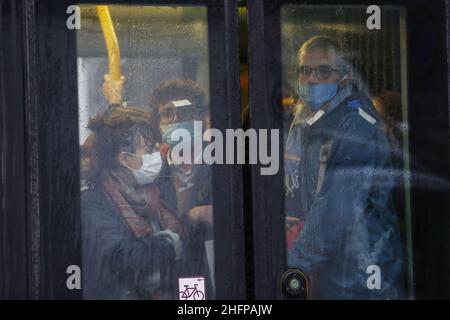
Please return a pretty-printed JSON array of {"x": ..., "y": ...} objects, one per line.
[{"x": 149, "y": 171}]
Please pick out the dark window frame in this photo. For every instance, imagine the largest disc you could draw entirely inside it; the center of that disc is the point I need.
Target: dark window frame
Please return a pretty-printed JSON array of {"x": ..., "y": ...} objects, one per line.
[
  {"x": 52, "y": 204},
  {"x": 429, "y": 207},
  {"x": 13, "y": 213}
]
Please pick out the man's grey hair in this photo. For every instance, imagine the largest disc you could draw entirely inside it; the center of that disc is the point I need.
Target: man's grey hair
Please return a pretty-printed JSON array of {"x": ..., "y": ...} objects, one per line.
[
  {"x": 343, "y": 57},
  {"x": 328, "y": 43}
]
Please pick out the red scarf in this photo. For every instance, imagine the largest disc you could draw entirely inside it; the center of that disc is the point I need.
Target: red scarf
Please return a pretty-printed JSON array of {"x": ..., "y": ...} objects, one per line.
[{"x": 137, "y": 224}]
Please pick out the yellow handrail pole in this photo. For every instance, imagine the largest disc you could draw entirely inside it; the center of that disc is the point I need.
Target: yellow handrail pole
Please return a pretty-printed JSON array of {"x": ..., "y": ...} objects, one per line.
[
  {"x": 287, "y": 101},
  {"x": 112, "y": 45}
]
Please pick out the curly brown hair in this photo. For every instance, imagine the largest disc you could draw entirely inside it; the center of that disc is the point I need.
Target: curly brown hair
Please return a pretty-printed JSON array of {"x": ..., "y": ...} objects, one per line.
[{"x": 114, "y": 131}]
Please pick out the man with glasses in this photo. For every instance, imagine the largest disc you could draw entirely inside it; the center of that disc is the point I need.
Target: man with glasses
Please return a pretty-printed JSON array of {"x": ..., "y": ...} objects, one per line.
[
  {"x": 349, "y": 245},
  {"x": 186, "y": 186},
  {"x": 177, "y": 104}
]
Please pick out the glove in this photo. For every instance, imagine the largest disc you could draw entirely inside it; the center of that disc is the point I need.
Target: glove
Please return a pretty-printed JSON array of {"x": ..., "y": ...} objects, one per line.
[{"x": 171, "y": 239}]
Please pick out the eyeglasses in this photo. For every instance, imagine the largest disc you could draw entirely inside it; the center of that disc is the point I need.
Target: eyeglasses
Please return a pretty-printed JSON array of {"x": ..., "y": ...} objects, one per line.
[
  {"x": 322, "y": 72},
  {"x": 168, "y": 115}
]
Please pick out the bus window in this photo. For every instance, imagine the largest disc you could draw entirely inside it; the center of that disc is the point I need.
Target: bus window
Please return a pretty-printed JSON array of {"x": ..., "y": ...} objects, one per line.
[
  {"x": 348, "y": 226},
  {"x": 143, "y": 73}
]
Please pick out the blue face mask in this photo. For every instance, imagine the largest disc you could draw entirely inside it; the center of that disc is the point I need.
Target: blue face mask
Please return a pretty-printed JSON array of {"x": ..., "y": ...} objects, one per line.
[
  {"x": 168, "y": 129},
  {"x": 315, "y": 95}
]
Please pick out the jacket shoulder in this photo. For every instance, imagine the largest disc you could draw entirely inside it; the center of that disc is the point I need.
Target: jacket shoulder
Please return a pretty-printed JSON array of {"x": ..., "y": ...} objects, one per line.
[
  {"x": 95, "y": 205},
  {"x": 359, "y": 116}
]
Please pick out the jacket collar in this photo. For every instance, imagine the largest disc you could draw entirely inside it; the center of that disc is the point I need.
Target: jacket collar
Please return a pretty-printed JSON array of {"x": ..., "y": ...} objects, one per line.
[{"x": 305, "y": 117}]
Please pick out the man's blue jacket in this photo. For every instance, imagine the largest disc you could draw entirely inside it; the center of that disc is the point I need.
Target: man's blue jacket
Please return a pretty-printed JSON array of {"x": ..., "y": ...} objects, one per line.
[{"x": 350, "y": 227}]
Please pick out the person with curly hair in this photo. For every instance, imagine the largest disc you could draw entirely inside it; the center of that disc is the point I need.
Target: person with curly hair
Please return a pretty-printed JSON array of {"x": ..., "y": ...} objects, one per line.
[{"x": 131, "y": 238}]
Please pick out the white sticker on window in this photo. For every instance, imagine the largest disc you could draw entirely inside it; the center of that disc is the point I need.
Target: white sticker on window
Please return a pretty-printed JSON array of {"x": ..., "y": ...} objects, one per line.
[{"x": 191, "y": 288}]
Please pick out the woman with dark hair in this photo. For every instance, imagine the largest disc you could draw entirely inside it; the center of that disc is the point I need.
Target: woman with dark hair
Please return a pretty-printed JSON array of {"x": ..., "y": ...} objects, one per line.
[{"x": 128, "y": 233}]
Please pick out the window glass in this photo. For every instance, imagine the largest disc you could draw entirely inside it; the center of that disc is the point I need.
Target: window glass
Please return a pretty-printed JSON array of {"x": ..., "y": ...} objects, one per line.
[
  {"x": 346, "y": 155},
  {"x": 146, "y": 219}
]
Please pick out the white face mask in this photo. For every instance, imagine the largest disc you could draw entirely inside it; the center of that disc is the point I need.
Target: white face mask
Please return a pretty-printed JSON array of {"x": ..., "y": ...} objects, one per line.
[{"x": 149, "y": 171}]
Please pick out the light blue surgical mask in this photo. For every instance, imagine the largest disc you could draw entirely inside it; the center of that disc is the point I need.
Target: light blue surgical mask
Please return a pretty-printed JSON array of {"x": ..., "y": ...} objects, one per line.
[
  {"x": 168, "y": 129},
  {"x": 315, "y": 95}
]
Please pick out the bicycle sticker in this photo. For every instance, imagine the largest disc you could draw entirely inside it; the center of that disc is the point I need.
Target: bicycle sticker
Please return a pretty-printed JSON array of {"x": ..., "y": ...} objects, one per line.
[{"x": 191, "y": 288}]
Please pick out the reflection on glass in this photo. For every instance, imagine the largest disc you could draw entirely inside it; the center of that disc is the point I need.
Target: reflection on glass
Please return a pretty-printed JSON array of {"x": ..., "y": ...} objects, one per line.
[
  {"x": 347, "y": 220},
  {"x": 146, "y": 222}
]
